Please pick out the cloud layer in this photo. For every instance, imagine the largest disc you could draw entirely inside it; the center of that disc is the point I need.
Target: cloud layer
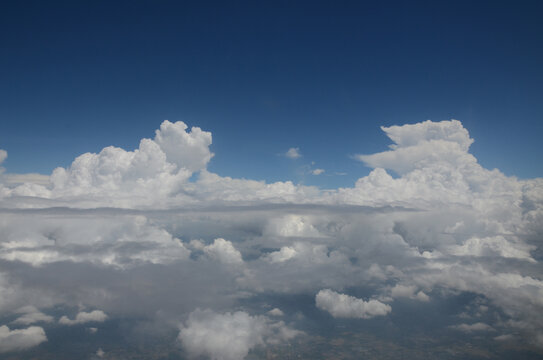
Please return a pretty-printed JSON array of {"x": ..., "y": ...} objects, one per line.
[{"x": 135, "y": 234}]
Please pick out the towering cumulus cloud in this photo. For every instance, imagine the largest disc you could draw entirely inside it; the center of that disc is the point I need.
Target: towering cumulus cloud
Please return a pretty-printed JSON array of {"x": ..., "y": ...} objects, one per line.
[
  {"x": 156, "y": 169},
  {"x": 150, "y": 237}
]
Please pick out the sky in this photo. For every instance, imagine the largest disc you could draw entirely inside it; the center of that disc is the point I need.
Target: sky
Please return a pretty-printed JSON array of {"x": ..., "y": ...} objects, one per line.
[
  {"x": 265, "y": 77},
  {"x": 255, "y": 180}
]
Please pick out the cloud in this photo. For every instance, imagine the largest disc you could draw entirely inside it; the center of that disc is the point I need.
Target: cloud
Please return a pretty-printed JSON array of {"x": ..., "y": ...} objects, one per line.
[
  {"x": 284, "y": 254},
  {"x": 20, "y": 179},
  {"x": 118, "y": 241},
  {"x": 188, "y": 150},
  {"x": 317, "y": 171},
  {"x": 419, "y": 145},
  {"x": 229, "y": 336},
  {"x": 469, "y": 328},
  {"x": 153, "y": 171},
  {"x": 84, "y": 317},
  {"x": 13, "y": 340},
  {"x": 134, "y": 234},
  {"x": 293, "y": 226},
  {"x": 223, "y": 251},
  {"x": 293, "y": 153},
  {"x": 345, "y": 306},
  {"x": 32, "y": 315},
  {"x": 276, "y": 312},
  {"x": 493, "y": 245}
]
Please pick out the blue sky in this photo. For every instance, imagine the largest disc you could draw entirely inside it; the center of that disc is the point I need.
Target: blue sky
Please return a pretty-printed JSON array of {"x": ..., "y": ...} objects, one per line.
[{"x": 267, "y": 76}]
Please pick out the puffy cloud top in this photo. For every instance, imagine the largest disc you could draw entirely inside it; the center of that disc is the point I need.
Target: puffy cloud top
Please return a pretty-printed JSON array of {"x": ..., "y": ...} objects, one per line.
[
  {"x": 188, "y": 150},
  {"x": 156, "y": 169},
  {"x": 345, "y": 306},
  {"x": 229, "y": 336},
  {"x": 414, "y": 134},
  {"x": 423, "y": 144},
  {"x": 223, "y": 251},
  {"x": 21, "y": 339}
]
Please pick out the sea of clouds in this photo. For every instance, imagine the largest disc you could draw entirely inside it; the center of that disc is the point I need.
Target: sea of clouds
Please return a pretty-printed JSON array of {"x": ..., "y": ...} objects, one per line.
[{"x": 151, "y": 233}]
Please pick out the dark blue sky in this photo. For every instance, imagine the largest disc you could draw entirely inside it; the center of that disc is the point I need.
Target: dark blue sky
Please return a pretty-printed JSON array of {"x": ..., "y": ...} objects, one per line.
[{"x": 266, "y": 76}]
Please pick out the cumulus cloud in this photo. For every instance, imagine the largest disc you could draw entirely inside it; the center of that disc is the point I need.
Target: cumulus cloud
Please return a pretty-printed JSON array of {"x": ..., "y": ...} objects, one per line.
[
  {"x": 84, "y": 317},
  {"x": 156, "y": 169},
  {"x": 284, "y": 254},
  {"x": 13, "y": 340},
  {"x": 292, "y": 225},
  {"x": 345, "y": 306},
  {"x": 317, "y": 171},
  {"x": 276, "y": 312},
  {"x": 31, "y": 315},
  {"x": 293, "y": 153},
  {"x": 188, "y": 150},
  {"x": 157, "y": 166},
  {"x": 419, "y": 145},
  {"x": 229, "y": 336},
  {"x": 134, "y": 224},
  {"x": 224, "y": 252}
]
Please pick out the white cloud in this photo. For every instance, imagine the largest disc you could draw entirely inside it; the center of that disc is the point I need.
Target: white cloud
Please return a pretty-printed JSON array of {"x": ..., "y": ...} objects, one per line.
[
  {"x": 421, "y": 144},
  {"x": 229, "y": 336},
  {"x": 284, "y": 254},
  {"x": 292, "y": 225},
  {"x": 276, "y": 312},
  {"x": 21, "y": 339},
  {"x": 188, "y": 150},
  {"x": 493, "y": 246},
  {"x": 116, "y": 224},
  {"x": 155, "y": 170},
  {"x": 84, "y": 317},
  {"x": 119, "y": 241},
  {"x": 31, "y": 178},
  {"x": 293, "y": 153},
  {"x": 345, "y": 306},
  {"x": 317, "y": 171},
  {"x": 223, "y": 251},
  {"x": 31, "y": 315}
]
